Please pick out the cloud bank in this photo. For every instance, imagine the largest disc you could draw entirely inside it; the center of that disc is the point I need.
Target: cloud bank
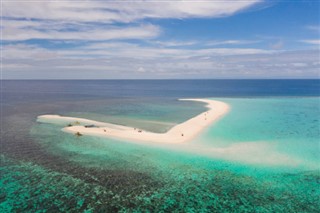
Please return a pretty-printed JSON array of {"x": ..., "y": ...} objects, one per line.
[{"x": 121, "y": 39}]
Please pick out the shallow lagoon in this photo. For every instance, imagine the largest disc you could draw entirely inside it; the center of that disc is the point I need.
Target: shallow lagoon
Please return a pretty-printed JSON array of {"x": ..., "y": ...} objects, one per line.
[{"x": 230, "y": 167}]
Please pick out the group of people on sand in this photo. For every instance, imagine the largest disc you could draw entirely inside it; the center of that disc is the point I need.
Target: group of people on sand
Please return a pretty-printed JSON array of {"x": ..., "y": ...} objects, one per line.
[
  {"x": 104, "y": 130},
  {"x": 205, "y": 115},
  {"x": 139, "y": 130},
  {"x": 135, "y": 129}
]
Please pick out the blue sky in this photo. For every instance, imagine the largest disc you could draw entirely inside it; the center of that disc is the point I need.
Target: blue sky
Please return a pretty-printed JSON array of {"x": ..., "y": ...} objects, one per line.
[{"x": 160, "y": 39}]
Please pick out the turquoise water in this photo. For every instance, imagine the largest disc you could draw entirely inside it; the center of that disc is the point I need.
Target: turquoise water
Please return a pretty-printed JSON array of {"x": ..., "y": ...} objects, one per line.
[
  {"x": 156, "y": 115},
  {"x": 120, "y": 176},
  {"x": 258, "y": 132},
  {"x": 263, "y": 156},
  {"x": 31, "y": 188},
  {"x": 288, "y": 126}
]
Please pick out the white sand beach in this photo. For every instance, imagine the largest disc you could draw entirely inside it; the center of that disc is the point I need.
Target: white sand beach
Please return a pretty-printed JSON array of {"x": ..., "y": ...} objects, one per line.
[{"x": 182, "y": 132}]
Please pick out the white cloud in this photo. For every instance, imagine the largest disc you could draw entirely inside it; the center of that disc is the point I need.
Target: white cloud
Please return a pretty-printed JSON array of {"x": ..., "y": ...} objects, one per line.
[
  {"x": 231, "y": 42},
  {"x": 99, "y": 20},
  {"x": 315, "y": 28},
  {"x": 96, "y": 22},
  {"x": 141, "y": 69},
  {"x": 277, "y": 45},
  {"x": 119, "y": 11},
  {"x": 312, "y": 41},
  {"x": 299, "y": 64},
  {"x": 127, "y": 50},
  {"x": 174, "y": 43},
  {"x": 97, "y": 33},
  {"x": 29, "y": 52},
  {"x": 126, "y": 60},
  {"x": 123, "y": 49}
]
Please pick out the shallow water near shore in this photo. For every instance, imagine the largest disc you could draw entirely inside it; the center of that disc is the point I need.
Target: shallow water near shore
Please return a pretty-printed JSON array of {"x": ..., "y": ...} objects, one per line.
[{"x": 262, "y": 156}]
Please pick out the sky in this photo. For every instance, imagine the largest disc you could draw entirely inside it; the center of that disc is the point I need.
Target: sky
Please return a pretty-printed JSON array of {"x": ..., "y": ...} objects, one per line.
[{"x": 160, "y": 39}]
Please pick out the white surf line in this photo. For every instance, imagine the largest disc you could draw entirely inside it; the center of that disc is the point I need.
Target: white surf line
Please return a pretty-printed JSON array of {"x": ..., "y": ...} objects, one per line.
[{"x": 182, "y": 132}]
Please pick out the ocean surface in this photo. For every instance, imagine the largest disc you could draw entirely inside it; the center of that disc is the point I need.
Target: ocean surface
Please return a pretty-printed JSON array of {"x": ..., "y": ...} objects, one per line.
[{"x": 263, "y": 156}]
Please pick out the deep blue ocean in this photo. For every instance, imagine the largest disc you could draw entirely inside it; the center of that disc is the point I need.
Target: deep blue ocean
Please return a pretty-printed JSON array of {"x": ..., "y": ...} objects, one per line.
[
  {"x": 158, "y": 88},
  {"x": 263, "y": 156}
]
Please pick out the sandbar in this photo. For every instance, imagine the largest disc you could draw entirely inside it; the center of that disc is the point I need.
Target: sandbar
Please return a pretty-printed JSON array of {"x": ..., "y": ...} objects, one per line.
[{"x": 179, "y": 133}]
